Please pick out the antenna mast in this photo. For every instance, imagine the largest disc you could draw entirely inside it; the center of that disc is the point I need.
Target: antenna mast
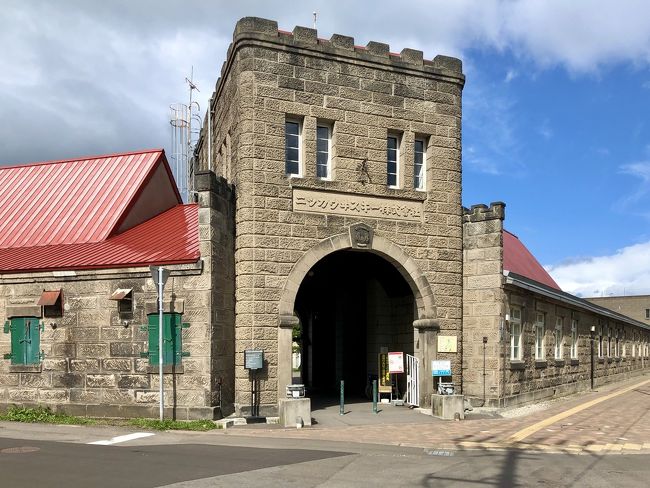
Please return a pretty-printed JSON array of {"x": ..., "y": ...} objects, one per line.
[{"x": 182, "y": 118}]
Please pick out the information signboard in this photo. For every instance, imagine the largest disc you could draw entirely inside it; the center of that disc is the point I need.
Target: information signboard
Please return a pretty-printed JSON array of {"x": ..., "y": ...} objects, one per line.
[
  {"x": 447, "y": 343},
  {"x": 253, "y": 359},
  {"x": 395, "y": 362},
  {"x": 385, "y": 385},
  {"x": 441, "y": 368}
]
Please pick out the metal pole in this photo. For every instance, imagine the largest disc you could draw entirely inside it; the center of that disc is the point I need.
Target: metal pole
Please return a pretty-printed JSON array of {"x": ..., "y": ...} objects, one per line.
[
  {"x": 209, "y": 168},
  {"x": 374, "y": 396},
  {"x": 341, "y": 401},
  {"x": 592, "y": 360},
  {"x": 160, "y": 339}
]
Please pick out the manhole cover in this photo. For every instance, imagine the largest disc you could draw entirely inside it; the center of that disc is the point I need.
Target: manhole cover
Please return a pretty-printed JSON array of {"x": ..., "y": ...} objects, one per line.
[{"x": 19, "y": 450}]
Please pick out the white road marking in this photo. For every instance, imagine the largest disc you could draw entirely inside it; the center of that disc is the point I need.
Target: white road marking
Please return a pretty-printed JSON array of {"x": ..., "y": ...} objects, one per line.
[{"x": 122, "y": 438}]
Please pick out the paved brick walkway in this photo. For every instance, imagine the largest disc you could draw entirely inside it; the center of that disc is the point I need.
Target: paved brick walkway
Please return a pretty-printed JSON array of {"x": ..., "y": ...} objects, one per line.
[{"x": 619, "y": 421}]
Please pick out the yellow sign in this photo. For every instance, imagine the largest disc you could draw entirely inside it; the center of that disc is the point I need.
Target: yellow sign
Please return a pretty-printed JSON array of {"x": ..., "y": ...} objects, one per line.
[{"x": 447, "y": 343}]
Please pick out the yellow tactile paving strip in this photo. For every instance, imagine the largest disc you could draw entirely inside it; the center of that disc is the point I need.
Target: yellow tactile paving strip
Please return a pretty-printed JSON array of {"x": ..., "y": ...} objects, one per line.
[{"x": 596, "y": 423}]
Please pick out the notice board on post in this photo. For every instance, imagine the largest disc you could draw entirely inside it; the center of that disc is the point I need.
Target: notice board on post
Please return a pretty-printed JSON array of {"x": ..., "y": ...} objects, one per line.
[
  {"x": 253, "y": 359},
  {"x": 384, "y": 384},
  {"x": 395, "y": 362}
]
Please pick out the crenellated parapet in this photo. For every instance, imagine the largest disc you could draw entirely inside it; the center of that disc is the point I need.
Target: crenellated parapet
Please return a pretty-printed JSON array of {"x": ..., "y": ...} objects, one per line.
[
  {"x": 482, "y": 213},
  {"x": 254, "y": 28}
]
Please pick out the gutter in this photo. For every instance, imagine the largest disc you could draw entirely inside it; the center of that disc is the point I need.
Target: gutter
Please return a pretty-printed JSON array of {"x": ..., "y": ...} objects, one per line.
[{"x": 531, "y": 285}]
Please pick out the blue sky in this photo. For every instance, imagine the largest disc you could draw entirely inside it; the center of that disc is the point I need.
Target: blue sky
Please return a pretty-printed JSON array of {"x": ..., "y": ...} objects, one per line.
[{"x": 555, "y": 105}]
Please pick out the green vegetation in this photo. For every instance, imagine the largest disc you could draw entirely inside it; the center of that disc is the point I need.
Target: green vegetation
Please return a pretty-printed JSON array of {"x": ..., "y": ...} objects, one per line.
[
  {"x": 46, "y": 416},
  {"x": 43, "y": 415},
  {"x": 169, "y": 424}
]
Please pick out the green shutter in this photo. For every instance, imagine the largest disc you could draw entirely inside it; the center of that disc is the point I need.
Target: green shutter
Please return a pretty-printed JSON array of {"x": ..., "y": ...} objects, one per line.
[
  {"x": 33, "y": 338},
  {"x": 25, "y": 340},
  {"x": 153, "y": 339},
  {"x": 18, "y": 341},
  {"x": 172, "y": 339},
  {"x": 7, "y": 327}
]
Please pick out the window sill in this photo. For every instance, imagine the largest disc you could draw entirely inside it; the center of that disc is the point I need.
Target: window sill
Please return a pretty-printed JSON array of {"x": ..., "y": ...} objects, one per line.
[
  {"x": 25, "y": 368},
  {"x": 167, "y": 369},
  {"x": 601, "y": 360},
  {"x": 517, "y": 364},
  {"x": 575, "y": 362},
  {"x": 541, "y": 363},
  {"x": 559, "y": 363},
  {"x": 617, "y": 359}
]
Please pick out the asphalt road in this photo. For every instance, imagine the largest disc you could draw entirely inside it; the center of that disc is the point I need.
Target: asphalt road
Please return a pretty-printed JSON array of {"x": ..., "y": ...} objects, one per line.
[{"x": 197, "y": 461}]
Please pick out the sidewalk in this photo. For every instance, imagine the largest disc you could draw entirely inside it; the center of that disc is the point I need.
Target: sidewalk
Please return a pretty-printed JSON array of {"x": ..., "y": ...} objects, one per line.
[{"x": 616, "y": 418}]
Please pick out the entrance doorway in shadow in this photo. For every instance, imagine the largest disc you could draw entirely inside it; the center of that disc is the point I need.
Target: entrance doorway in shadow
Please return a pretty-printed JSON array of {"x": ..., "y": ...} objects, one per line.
[{"x": 352, "y": 306}]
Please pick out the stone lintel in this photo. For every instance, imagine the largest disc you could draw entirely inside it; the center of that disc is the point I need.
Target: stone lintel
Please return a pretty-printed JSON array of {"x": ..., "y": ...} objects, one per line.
[{"x": 23, "y": 311}]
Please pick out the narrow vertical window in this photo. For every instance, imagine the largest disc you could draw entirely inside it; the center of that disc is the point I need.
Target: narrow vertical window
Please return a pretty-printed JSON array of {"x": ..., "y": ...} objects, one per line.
[
  {"x": 419, "y": 169},
  {"x": 393, "y": 161},
  {"x": 292, "y": 148},
  {"x": 559, "y": 337},
  {"x": 647, "y": 313},
  {"x": 515, "y": 333},
  {"x": 323, "y": 152},
  {"x": 539, "y": 337},
  {"x": 600, "y": 342},
  {"x": 574, "y": 339}
]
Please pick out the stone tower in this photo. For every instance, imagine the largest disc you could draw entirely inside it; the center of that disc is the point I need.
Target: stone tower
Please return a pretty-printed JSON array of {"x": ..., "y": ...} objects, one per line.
[{"x": 345, "y": 163}]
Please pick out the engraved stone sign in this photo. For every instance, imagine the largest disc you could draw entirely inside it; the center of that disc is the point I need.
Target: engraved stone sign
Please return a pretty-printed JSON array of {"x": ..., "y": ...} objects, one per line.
[{"x": 348, "y": 204}]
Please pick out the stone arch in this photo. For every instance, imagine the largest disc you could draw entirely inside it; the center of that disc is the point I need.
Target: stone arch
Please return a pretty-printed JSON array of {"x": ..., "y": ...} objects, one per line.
[{"x": 405, "y": 264}]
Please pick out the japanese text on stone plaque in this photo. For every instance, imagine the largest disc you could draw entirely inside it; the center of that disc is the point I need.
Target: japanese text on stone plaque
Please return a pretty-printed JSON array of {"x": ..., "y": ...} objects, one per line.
[{"x": 356, "y": 205}]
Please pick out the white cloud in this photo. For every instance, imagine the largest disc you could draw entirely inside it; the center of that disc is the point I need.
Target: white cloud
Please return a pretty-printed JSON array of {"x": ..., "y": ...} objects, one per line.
[
  {"x": 511, "y": 74},
  {"x": 627, "y": 271},
  {"x": 635, "y": 200},
  {"x": 545, "y": 129},
  {"x": 84, "y": 76}
]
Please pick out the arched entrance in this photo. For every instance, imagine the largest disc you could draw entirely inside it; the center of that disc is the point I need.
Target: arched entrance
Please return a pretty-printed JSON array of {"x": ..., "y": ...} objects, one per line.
[
  {"x": 357, "y": 270},
  {"x": 352, "y": 306}
]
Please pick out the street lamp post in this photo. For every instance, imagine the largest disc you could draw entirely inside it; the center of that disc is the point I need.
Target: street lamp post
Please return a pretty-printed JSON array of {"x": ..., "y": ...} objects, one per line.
[{"x": 592, "y": 332}]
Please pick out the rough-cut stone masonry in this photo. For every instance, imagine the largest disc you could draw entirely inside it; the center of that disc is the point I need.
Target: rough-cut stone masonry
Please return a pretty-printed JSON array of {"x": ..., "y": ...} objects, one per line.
[
  {"x": 92, "y": 361},
  {"x": 363, "y": 93}
]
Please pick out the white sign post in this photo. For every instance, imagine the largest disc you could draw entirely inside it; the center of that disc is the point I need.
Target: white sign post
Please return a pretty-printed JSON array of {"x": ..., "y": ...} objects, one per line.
[
  {"x": 395, "y": 362},
  {"x": 159, "y": 276}
]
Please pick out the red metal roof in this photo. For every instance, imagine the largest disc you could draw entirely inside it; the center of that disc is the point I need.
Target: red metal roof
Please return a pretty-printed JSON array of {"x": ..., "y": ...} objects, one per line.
[
  {"x": 518, "y": 259},
  {"x": 169, "y": 238},
  {"x": 73, "y": 201}
]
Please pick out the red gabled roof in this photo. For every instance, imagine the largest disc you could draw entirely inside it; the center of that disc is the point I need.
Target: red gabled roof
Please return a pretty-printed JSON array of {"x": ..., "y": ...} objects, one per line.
[
  {"x": 169, "y": 238},
  {"x": 73, "y": 201},
  {"x": 518, "y": 259},
  {"x": 119, "y": 210}
]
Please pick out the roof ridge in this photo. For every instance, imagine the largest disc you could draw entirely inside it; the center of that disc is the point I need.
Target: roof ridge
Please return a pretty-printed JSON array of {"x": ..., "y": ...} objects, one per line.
[{"x": 82, "y": 158}]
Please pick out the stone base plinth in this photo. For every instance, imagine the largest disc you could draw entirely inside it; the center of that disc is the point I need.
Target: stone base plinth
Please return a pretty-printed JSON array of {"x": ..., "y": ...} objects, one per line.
[
  {"x": 447, "y": 406},
  {"x": 290, "y": 409}
]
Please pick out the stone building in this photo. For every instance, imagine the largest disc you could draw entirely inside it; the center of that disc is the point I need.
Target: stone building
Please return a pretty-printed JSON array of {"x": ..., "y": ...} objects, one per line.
[
  {"x": 524, "y": 339},
  {"x": 328, "y": 225},
  {"x": 637, "y": 307},
  {"x": 358, "y": 254},
  {"x": 78, "y": 305}
]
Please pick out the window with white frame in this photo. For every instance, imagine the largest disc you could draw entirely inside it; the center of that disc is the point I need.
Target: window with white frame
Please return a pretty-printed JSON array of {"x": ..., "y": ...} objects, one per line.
[
  {"x": 574, "y": 339},
  {"x": 419, "y": 164},
  {"x": 540, "y": 354},
  {"x": 392, "y": 159},
  {"x": 616, "y": 344},
  {"x": 323, "y": 152},
  {"x": 600, "y": 341},
  {"x": 515, "y": 333},
  {"x": 609, "y": 342},
  {"x": 293, "y": 147},
  {"x": 559, "y": 337}
]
